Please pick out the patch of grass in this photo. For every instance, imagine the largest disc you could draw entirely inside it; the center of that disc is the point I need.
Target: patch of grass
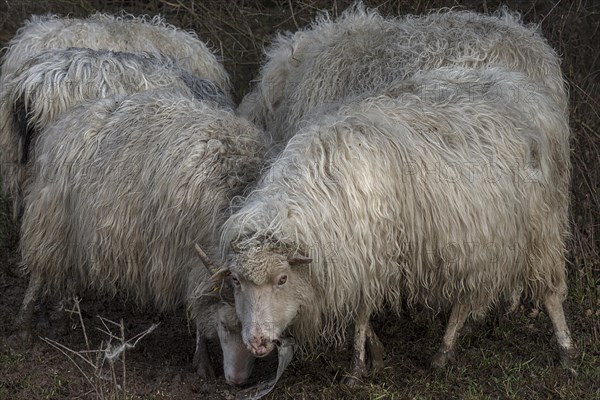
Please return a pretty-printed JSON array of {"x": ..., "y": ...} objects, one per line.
[
  {"x": 10, "y": 357},
  {"x": 56, "y": 389}
]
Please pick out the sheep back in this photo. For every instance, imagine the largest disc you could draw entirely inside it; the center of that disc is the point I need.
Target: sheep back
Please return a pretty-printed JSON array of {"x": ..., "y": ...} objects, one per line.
[{"x": 125, "y": 186}]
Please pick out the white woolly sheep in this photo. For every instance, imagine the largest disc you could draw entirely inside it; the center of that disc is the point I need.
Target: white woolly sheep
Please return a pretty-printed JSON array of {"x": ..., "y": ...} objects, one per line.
[
  {"x": 362, "y": 50},
  {"x": 442, "y": 188},
  {"x": 122, "y": 190},
  {"x": 124, "y": 32},
  {"x": 55, "y": 80}
]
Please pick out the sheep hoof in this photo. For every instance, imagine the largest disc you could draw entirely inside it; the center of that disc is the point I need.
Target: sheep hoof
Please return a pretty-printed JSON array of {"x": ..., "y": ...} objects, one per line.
[
  {"x": 569, "y": 358},
  {"x": 22, "y": 337},
  {"x": 354, "y": 377},
  {"x": 44, "y": 322},
  {"x": 205, "y": 371},
  {"x": 442, "y": 358},
  {"x": 350, "y": 381}
]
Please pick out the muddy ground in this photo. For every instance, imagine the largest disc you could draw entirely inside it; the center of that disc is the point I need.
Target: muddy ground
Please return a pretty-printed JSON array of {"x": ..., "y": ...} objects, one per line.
[
  {"x": 502, "y": 357},
  {"x": 510, "y": 357}
]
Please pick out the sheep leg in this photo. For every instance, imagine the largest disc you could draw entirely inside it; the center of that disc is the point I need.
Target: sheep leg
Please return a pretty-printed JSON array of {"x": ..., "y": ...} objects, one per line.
[
  {"x": 447, "y": 350},
  {"x": 201, "y": 359},
  {"x": 375, "y": 349},
  {"x": 63, "y": 322},
  {"x": 359, "y": 357},
  {"x": 514, "y": 300},
  {"x": 568, "y": 352},
  {"x": 44, "y": 318},
  {"x": 24, "y": 319}
]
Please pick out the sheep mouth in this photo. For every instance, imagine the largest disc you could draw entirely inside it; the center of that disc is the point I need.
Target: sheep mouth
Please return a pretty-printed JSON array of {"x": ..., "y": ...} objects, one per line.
[{"x": 263, "y": 350}]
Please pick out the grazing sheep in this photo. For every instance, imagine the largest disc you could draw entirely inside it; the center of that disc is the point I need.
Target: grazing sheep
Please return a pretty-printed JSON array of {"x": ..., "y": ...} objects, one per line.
[
  {"x": 122, "y": 190},
  {"x": 361, "y": 51},
  {"x": 125, "y": 32},
  {"x": 440, "y": 188},
  {"x": 211, "y": 307},
  {"x": 55, "y": 80}
]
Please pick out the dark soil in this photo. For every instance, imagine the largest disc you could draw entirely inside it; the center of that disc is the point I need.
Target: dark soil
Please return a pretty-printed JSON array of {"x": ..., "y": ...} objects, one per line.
[{"x": 502, "y": 357}]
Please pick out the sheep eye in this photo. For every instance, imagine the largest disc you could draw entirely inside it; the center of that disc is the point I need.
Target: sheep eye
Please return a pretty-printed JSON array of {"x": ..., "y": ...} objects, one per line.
[
  {"x": 282, "y": 280},
  {"x": 235, "y": 280}
]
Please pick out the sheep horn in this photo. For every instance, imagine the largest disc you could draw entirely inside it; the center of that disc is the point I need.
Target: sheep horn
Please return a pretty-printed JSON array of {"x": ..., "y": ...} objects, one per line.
[{"x": 205, "y": 260}]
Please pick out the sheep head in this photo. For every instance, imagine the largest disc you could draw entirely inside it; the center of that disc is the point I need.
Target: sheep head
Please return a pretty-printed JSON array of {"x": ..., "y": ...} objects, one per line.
[{"x": 269, "y": 288}]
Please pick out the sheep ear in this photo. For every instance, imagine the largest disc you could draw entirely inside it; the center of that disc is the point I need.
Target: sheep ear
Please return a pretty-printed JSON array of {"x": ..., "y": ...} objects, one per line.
[
  {"x": 298, "y": 259},
  {"x": 220, "y": 275}
]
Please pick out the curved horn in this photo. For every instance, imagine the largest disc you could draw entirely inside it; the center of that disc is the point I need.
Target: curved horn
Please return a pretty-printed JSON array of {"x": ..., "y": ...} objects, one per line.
[{"x": 205, "y": 260}]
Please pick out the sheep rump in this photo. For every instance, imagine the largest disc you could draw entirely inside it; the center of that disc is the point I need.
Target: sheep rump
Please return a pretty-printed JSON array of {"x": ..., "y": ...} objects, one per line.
[
  {"x": 153, "y": 173},
  {"x": 56, "y": 80}
]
